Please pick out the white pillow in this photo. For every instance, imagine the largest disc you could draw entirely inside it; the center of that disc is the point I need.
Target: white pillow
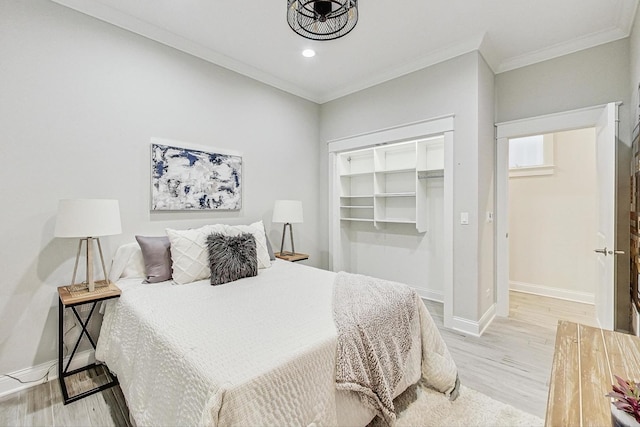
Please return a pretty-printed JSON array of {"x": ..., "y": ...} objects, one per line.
[
  {"x": 127, "y": 262},
  {"x": 189, "y": 255},
  {"x": 257, "y": 229}
]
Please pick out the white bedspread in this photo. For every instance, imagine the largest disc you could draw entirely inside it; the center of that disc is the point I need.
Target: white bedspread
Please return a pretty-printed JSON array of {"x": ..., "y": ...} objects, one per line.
[{"x": 259, "y": 351}]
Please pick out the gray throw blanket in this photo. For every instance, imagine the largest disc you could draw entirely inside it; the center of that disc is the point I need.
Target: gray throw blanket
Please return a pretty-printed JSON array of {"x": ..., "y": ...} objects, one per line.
[{"x": 373, "y": 318}]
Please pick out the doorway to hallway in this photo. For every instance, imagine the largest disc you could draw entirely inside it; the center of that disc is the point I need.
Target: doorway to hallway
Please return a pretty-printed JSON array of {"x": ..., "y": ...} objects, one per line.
[
  {"x": 604, "y": 120},
  {"x": 553, "y": 215}
]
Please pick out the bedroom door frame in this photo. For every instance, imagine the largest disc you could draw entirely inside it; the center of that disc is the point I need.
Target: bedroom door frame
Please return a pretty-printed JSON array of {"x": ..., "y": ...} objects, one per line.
[
  {"x": 550, "y": 123},
  {"x": 443, "y": 125}
]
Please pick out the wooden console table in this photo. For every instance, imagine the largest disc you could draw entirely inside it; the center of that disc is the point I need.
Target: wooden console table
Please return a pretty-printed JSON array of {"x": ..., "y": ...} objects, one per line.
[{"x": 584, "y": 363}]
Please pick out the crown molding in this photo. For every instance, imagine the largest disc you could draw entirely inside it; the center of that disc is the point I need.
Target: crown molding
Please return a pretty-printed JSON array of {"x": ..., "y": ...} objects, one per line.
[
  {"x": 433, "y": 58},
  {"x": 561, "y": 49},
  {"x": 625, "y": 18},
  {"x": 112, "y": 16}
]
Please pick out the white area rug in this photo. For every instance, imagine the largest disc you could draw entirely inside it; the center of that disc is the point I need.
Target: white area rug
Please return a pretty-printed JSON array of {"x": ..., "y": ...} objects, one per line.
[{"x": 420, "y": 406}]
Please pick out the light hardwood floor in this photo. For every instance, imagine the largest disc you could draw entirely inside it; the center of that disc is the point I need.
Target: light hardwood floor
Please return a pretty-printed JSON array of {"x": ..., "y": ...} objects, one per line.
[
  {"x": 511, "y": 362},
  {"x": 42, "y": 405}
]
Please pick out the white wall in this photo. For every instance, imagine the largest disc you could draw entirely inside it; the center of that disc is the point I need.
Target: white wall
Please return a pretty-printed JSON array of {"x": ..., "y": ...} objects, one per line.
[
  {"x": 398, "y": 252},
  {"x": 586, "y": 78},
  {"x": 451, "y": 87},
  {"x": 79, "y": 102},
  {"x": 553, "y": 222}
]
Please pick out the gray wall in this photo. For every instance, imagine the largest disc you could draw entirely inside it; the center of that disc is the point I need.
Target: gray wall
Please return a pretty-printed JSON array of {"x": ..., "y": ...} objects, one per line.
[
  {"x": 79, "y": 101},
  {"x": 587, "y": 78},
  {"x": 451, "y": 87}
]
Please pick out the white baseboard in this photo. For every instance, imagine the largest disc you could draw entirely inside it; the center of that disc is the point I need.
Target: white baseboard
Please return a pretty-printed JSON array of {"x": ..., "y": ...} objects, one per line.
[
  {"x": 547, "y": 291},
  {"x": 474, "y": 328},
  {"x": 8, "y": 385},
  {"x": 430, "y": 295}
]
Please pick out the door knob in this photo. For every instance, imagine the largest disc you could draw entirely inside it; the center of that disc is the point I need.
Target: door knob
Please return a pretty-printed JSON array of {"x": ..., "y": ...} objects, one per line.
[{"x": 606, "y": 252}]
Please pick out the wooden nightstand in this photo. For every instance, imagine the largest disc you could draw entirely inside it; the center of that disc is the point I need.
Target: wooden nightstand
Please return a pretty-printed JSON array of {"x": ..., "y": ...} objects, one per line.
[
  {"x": 70, "y": 298},
  {"x": 291, "y": 257}
]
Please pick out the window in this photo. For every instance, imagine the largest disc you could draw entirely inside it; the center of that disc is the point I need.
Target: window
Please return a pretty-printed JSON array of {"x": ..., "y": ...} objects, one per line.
[{"x": 531, "y": 155}]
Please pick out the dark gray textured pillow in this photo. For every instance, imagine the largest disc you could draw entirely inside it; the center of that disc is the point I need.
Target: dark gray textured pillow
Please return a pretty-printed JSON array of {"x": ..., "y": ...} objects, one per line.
[
  {"x": 157, "y": 258},
  {"x": 232, "y": 257}
]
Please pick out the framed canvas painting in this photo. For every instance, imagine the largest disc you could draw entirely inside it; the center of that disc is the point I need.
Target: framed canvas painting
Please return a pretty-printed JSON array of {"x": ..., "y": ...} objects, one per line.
[{"x": 189, "y": 179}]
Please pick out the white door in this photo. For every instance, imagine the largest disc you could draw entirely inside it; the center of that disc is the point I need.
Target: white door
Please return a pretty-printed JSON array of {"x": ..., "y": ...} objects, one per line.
[
  {"x": 605, "y": 252},
  {"x": 604, "y": 119}
]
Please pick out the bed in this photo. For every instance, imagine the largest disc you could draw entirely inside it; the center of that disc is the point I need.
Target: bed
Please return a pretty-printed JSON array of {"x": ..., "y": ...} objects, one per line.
[{"x": 258, "y": 351}]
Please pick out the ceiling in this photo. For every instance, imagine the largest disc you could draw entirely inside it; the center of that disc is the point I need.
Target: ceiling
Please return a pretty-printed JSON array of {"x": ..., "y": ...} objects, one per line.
[{"x": 391, "y": 38}]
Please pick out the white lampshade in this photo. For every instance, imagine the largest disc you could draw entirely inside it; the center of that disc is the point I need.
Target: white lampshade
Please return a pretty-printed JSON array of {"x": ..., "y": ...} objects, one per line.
[
  {"x": 88, "y": 218},
  {"x": 287, "y": 211}
]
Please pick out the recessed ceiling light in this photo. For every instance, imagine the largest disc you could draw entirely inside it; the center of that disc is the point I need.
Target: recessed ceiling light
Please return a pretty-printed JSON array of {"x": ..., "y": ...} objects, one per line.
[{"x": 308, "y": 53}]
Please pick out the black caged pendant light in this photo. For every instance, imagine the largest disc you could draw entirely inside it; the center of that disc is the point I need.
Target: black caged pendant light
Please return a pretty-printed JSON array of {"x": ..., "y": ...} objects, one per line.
[{"x": 322, "y": 19}]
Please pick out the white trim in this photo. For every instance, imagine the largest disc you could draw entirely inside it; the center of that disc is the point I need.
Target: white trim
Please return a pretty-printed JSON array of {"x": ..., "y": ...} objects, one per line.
[
  {"x": 561, "y": 49},
  {"x": 487, "y": 318},
  {"x": 405, "y": 132},
  {"x": 333, "y": 209},
  {"x": 9, "y": 386},
  {"x": 476, "y": 42},
  {"x": 446, "y": 53},
  {"x": 120, "y": 19},
  {"x": 532, "y": 171},
  {"x": 502, "y": 226},
  {"x": 548, "y": 123},
  {"x": 430, "y": 295},
  {"x": 448, "y": 224},
  {"x": 548, "y": 291},
  {"x": 472, "y": 328}
]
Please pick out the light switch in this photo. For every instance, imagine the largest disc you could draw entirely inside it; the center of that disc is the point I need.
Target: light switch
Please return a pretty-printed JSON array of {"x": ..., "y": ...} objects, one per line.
[{"x": 464, "y": 218}]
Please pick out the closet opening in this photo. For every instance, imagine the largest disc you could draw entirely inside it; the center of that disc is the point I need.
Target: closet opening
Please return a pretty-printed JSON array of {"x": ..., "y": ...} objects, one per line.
[{"x": 391, "y": 206}]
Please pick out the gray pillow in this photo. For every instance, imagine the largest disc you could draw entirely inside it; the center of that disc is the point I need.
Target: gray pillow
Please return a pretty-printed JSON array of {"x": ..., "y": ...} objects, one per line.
[
  {"x": 157, "y": 258},
  {"x": 272, "y": 257},
  {"x": 232, "y": 257}
]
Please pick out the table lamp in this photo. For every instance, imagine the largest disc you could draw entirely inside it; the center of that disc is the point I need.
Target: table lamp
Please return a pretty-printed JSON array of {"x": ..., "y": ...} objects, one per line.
[
  {"x": 88, "y": 220},
  {"x": 289, "y": 212}
]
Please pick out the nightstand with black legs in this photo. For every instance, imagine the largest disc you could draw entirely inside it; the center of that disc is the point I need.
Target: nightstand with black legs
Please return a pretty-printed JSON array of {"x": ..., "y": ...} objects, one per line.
[{"x": 70, "y": 297}]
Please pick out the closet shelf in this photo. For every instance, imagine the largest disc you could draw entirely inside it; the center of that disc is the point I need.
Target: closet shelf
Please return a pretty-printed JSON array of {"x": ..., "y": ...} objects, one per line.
[
  {"x": 389, "y": 183},
  {"x": 402, "y": 194},
  {"x": 351, "y": 175},
  {"x": 430, "y": 173},
  {"x": 402, "y": 170},
  {"x": 396, "y": 221}
]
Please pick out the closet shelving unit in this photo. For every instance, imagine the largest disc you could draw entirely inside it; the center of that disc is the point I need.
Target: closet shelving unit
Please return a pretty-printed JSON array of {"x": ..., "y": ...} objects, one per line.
[{"x": 387, "y": 184}]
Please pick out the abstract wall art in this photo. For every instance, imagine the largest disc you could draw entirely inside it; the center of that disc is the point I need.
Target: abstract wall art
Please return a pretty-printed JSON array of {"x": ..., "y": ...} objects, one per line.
[{"x": 186, "y": 179}]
